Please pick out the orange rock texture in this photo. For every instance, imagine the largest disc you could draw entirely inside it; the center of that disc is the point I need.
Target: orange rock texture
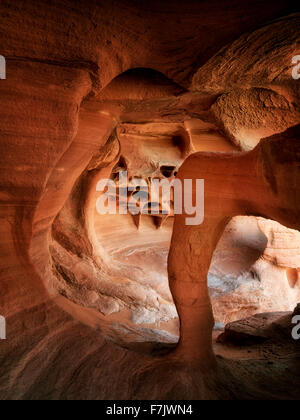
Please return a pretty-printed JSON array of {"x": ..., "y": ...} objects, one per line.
[{"x": 121, "y": 306}]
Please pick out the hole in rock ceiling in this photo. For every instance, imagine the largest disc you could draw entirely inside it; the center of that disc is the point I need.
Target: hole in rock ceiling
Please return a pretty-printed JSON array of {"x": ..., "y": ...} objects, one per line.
[
  {"x": 167, "y": 171},
  {"x": 293, "y": 277}
]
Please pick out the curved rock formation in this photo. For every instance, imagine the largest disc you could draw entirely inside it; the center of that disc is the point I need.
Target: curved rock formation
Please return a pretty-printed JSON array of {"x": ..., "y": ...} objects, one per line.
[
  {"x": 161, "y": 91},
  {"x": 258, "y": 96},
  {"x": 271, "y": 175}
]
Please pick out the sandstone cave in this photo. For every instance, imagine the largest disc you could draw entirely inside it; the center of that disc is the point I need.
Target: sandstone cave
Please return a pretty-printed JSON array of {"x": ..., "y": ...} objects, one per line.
[{"x": 142, "y": 306}]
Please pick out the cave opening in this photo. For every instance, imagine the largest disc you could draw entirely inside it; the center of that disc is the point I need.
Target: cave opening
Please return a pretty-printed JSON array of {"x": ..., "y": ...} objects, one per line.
[
  {"x": 253, "y": 282},
  {"x": 126, "y": 282},
  {"x": 110, "y": 272},
  {"x": 118, "y": 267},
  {"x": 144, "y": 306}
]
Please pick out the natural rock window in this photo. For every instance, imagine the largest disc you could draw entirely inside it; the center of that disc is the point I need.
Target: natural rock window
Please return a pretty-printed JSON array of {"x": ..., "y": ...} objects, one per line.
[
  {"x": 135, "y": 306},
  {"x": 293, "y": 277}
]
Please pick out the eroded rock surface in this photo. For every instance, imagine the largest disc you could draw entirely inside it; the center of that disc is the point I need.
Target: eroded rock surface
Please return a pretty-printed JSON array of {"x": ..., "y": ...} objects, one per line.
[
  {"x": 276, "y": 327},
  {"x": 254, "y": 269},
  {"x": 93, "y": 88}
]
